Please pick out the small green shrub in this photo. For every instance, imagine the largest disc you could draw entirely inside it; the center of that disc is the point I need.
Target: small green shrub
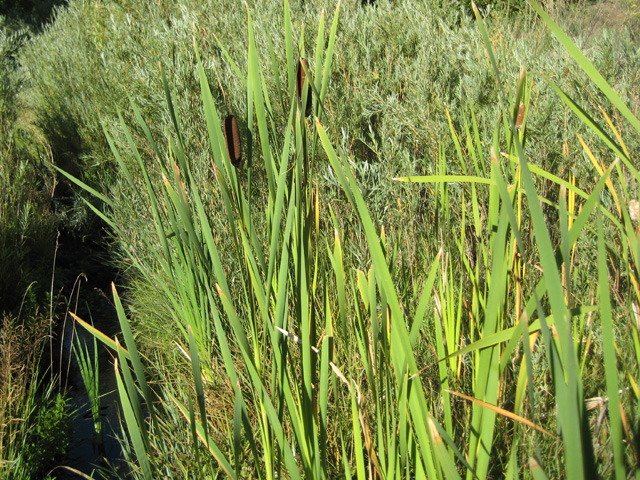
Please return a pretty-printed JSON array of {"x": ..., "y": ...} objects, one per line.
[
  {"x": 34, "y": 426},
  {"x": 50, "y": 436}
]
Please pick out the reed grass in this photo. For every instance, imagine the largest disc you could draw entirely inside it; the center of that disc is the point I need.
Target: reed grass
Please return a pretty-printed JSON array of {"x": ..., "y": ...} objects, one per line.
[{"x": 89, "y": 371}]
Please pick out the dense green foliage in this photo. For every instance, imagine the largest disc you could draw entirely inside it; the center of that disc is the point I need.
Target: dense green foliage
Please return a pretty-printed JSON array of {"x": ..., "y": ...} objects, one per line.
[
  {"x": 34, "y": 422},
  {"x": 49, "y": 438},
  {"x": 31, "y": 13},
  {"x": 389, "y": 90},
  {"x": 27, "y": 228},
  {"x": 411, "y": 92}
]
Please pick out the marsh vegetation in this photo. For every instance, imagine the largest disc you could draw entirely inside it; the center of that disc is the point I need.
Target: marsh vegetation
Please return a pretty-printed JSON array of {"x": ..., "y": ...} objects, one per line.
[{"x": 389, "y": 239}]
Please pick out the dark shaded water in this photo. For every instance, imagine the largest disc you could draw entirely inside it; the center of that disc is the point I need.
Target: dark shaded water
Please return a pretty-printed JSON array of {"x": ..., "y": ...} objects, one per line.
[{"x": 84, "y": 282}]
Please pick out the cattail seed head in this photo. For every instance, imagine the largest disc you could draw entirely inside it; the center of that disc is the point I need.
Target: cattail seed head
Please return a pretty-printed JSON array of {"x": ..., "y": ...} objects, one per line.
[
  {"x": 232, "y": 139},
  {"x": 634, "y": 210},
  {"x": 301, "y": 78},
  {"x": 520, "y": 117}
]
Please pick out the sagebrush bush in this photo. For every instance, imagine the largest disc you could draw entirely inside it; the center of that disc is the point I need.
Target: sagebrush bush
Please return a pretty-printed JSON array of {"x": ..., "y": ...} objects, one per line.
[{"x": 399, "y": 64}]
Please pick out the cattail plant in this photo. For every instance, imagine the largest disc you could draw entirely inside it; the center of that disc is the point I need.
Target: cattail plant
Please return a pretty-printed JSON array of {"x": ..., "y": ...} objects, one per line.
[{"x": 301, "y": 79}]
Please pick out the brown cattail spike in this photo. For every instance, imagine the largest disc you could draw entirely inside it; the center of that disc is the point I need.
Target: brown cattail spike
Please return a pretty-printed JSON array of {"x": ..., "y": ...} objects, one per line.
[
  {"x": 301, "y": 79},
  {"x": 520, "y": 117},
  {"x": 232, "y": 138}
]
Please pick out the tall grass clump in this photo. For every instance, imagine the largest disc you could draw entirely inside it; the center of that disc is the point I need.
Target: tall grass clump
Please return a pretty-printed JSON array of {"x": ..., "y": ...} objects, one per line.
[
  {"x": 296, "y": 337},
  {"x": 88, "y": 363},
  {"x": 623, "y": 190},
  {"x": 34, "y": 421},
  {"x": 565, "y": 342},
  {"x": 233, "y": 327}
]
